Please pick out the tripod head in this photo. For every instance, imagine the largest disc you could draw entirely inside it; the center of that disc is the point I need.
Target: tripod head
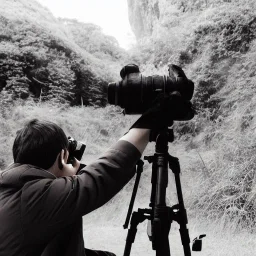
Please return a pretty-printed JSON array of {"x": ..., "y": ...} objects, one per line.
[{"x": 155, "y": 133}]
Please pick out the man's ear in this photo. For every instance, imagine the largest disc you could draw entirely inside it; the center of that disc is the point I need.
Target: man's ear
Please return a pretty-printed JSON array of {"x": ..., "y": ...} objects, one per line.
[
  {"x": 55, "y": 168},
  {"x": 60, "y": 165},
  {"x": 62, "y": 157}
]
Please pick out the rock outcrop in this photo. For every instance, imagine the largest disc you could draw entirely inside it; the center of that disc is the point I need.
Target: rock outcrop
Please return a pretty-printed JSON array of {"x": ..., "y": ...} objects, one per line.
[
  {"x": 148, "y": 16},
  {"x": 144, "y": 15}
]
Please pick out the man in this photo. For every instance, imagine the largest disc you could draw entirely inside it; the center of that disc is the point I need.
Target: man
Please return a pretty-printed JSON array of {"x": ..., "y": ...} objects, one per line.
[
  {"x": 41, "y": 205},
  {"x": 43, "y": 198}
]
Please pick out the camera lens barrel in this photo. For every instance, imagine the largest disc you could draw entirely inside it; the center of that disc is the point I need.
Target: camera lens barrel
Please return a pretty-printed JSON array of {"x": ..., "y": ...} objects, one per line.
[
  {"x": 136, "y": 93},
  {"x": 113, "y": 93}
]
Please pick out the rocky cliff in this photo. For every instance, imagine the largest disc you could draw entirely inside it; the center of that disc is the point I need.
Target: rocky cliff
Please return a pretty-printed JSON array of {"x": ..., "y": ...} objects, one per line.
[
  {"x": 144, "y": 16},
  {"x": 148, "y": 16}
]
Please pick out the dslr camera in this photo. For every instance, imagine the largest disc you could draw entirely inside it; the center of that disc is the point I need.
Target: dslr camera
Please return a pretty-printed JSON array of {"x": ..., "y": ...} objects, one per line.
[
  {"x": 135, "y": 93},
  {"x": 76, "y": 150}
]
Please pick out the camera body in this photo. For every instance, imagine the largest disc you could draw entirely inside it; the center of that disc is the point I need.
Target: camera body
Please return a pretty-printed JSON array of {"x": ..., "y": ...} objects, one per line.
[
  {"x": 135, "y": 93},
  {"x": 76, "y": 150}
]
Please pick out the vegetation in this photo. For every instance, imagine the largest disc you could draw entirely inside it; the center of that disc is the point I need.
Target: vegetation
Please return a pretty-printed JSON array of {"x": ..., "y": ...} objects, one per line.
[
  {"x": 53, "y": 59},
  {"x": 215, "y": 43},
  {"x": 90, "y": 37}
]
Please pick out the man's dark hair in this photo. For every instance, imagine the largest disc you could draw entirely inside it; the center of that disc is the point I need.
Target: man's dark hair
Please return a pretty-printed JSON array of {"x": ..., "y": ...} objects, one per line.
[{"x": 39, "y": 143}]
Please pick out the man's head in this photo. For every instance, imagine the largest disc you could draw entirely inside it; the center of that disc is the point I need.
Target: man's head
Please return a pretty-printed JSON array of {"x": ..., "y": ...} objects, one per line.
[{"x": 39, "y": 144}]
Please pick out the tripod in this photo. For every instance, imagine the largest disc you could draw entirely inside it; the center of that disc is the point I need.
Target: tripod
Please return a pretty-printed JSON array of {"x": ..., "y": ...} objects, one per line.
[{"x": 159, "y": 215}]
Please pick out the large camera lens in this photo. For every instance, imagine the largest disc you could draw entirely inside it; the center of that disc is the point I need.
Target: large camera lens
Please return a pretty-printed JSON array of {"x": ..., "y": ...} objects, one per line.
[{"x": 136, "y": 93}]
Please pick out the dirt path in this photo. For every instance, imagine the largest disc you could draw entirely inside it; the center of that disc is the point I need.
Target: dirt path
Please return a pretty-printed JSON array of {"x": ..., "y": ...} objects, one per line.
[{"x": 215, "y": 244}]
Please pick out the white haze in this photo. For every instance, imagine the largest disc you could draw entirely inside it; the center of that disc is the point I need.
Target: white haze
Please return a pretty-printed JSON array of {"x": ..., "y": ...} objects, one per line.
[{"x": 111, "y": 15}]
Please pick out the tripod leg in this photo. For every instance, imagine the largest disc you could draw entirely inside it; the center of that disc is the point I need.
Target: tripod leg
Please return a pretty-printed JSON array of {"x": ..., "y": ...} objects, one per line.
[
  {"x": 140, "y": 164},
  {"x": 182, "y": 214},
  {"x": 153, "y": 182},
  {"x": 161, "y": 228},
  {"x": 162, "y": 219},
  {"x": 129, "y": 241},
  {"x": 137, "y": 217},
  {"x": 185, "y": 240}
]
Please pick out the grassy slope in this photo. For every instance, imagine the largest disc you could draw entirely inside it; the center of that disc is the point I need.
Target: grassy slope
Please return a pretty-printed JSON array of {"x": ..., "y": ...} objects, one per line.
[
  {"x": 224, "y": 130},
  {"x": 215, "y": 44}
]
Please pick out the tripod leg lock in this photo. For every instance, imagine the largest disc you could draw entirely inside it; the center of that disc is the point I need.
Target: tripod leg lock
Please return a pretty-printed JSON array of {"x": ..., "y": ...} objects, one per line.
[
  {"x": 174, "y": 164},
  {"x": 137, "y": 217}
]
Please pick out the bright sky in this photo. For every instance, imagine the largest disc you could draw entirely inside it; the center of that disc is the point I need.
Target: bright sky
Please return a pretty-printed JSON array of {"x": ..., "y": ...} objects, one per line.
[{"x": 111, "y": 15}]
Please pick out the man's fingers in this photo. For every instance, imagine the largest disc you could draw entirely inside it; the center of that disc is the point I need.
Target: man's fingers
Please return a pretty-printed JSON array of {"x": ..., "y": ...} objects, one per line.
[{"x": 76, "y": 164}]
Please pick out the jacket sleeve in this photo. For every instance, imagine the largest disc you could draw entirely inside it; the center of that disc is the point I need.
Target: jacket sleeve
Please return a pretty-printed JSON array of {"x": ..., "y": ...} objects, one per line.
[{"x": 65, "y": 199}]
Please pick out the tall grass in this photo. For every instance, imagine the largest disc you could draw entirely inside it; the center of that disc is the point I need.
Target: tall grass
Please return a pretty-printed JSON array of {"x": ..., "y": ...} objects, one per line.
[
  {"x": 214, "y": 41},
  {"x": 97, "y": 127}
]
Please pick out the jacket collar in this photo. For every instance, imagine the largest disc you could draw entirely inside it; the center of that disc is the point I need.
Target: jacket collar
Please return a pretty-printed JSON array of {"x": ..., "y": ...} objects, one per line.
[{"x": 17, "y": 175}]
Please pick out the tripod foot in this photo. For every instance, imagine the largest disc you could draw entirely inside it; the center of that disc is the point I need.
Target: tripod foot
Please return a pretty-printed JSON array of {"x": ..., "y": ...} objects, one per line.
[{"x": 197, "y": 243}]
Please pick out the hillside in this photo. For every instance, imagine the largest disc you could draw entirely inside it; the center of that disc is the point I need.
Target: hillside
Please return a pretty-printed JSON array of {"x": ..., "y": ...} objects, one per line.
[
  {"x": 215, "y": 43},
  {"x": 46, "y": 59}
]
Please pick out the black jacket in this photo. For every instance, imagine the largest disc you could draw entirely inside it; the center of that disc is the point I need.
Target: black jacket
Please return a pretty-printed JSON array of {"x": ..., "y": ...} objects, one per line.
[{"x": 42, "y": 215}]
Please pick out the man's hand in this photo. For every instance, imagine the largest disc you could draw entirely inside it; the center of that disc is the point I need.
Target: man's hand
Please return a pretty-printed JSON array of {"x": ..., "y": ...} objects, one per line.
[
  {"x": 68, "y": 169},
  {"x": 61, "y": 168},
  {"x": 165, "y": 109}
]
